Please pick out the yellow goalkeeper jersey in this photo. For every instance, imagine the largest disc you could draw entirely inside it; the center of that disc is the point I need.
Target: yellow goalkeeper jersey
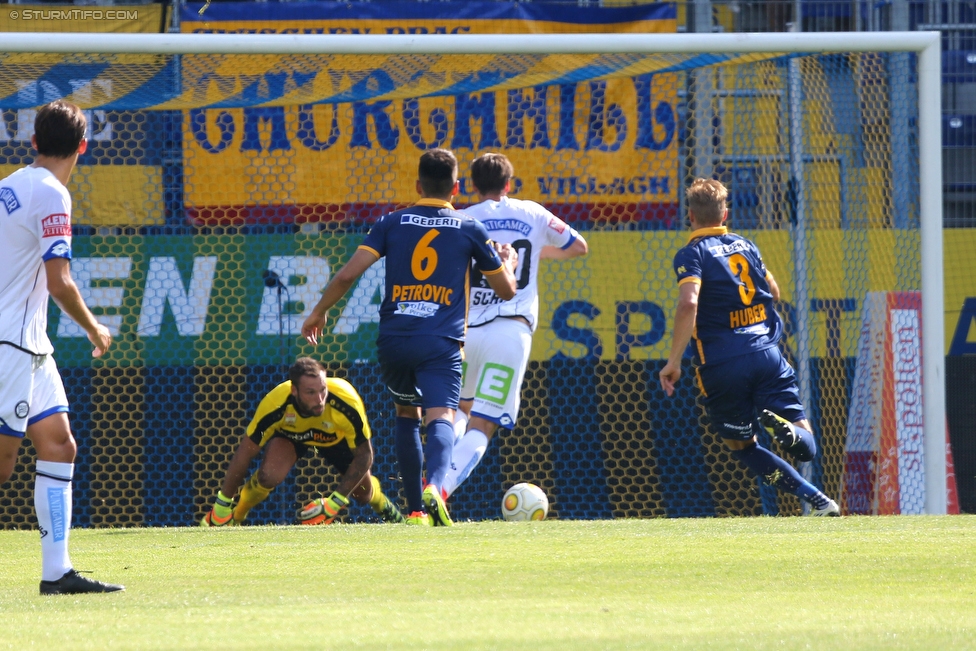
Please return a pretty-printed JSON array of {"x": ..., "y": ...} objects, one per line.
[{"x": 342, "y": 421}]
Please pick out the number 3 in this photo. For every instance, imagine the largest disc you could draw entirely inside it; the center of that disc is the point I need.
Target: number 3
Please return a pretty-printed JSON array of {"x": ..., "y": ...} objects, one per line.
[
  {"x": 740, "y": 269},
  {"x": 423, "y": 262}
]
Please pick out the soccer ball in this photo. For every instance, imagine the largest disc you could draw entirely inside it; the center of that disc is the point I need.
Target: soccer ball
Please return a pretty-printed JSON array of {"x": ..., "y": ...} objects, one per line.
[{"x": 525, "y": 502}]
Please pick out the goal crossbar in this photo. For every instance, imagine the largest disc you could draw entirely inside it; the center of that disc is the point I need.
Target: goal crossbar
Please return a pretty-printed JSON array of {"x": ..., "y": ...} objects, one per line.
[{"x": 786, "y": 42}]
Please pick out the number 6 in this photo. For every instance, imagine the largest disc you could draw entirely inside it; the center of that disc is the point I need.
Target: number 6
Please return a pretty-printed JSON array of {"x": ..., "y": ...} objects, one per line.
[{"x": 423, "y": 262}]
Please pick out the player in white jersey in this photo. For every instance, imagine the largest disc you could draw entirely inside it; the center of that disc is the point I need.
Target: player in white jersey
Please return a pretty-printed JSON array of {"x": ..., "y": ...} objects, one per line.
[
  {"x": 35, "y": 247},
  {"x": 500, "y": 332}
]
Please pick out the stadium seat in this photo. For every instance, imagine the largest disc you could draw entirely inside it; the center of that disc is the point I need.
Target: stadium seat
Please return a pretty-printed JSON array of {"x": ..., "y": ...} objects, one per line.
[{"x": 958, "y": 131}]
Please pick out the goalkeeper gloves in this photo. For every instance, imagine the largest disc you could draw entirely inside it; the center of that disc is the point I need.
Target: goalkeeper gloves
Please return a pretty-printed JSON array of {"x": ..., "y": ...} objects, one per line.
[{"x": 323, "y": 510}]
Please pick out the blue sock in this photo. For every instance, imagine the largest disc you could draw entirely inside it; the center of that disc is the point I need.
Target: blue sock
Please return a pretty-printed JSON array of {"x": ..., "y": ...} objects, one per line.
[
  {"x": 776, "y": 472},
  {"x": 440, "y": 443},
  {"x": 806, "y": 449},
  {"x": 410, "y": 459}
]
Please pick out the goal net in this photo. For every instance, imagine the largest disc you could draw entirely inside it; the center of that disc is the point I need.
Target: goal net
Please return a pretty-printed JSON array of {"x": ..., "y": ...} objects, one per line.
[{"x": 228, "y": 177}]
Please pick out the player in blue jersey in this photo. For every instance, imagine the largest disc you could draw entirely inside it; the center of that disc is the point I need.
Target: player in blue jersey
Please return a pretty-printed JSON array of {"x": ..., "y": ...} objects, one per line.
[
  {"x": 726, "y": 304},
  {"x": 428, "y": 249}
]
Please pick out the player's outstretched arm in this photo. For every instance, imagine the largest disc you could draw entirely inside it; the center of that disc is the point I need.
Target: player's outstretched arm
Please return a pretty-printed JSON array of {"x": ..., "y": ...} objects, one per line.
[
  {"x": 684, "y": 325},
  {"x": 354, "y": 484},
  {"x": 237, "y": 468},
  {"x": 360, "y": 261},
  {"x": 61, "y": 286},
  {"x": 362, "y": 461}
]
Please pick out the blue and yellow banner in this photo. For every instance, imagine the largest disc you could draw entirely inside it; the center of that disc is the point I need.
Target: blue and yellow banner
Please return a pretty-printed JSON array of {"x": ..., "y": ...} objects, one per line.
[
  {"x": 295, "y": 138},
  {"x": 320, "y": 140},
  {"x": 155, "y": 81},
  {"x": 600, "y": 142},
  {"x": 408, "y": 17},
  {"x": 121, "y": 171},
  {"x": 118, "y": 180}
]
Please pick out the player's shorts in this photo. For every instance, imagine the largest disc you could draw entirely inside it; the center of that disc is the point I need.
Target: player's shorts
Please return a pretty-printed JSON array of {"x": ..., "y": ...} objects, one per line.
[
  {"x": 30, "y": 390},
  {"x": 736, "y": 389},
  {"x": 495, "y": 357},
  {"x": 421, "y": 370},
  {"x": 339, "y": 455}
]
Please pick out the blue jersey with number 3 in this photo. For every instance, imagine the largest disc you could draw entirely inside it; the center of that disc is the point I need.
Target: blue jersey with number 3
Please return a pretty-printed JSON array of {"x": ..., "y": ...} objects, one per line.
[
  {"x": 428, "y": 250},
  {"x": 735, "y": 307}
]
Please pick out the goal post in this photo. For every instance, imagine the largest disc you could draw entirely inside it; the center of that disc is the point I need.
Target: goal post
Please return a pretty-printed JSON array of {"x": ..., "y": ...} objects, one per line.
[{"x": 574, "y": 331}]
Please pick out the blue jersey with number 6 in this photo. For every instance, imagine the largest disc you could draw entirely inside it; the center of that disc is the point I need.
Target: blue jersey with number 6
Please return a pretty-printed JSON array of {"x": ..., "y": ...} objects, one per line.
[
  {"x": 428, "y": 249},
  {"x": 735, "y": 307}
]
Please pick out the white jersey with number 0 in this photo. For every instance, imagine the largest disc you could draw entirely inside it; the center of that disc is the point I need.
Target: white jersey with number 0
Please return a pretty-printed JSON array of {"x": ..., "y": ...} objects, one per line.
[
  {"x": 35, "y": 226},
  {"x": 528, "y": 227}
]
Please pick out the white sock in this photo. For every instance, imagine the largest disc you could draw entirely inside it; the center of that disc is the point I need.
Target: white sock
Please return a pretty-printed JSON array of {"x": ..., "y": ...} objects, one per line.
[
  {"x": 460, "y": 425},
  {"x": 52, "y": 503},
  {"x": 464, "y": 459}
]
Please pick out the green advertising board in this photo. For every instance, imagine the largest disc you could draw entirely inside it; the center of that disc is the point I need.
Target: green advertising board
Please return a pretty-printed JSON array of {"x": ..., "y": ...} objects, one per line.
[{"x": 214, "y": 299}]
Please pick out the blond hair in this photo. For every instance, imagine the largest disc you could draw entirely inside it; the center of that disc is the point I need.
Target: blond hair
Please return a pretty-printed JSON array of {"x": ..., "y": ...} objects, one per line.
[{"x": 706, "y": 201}]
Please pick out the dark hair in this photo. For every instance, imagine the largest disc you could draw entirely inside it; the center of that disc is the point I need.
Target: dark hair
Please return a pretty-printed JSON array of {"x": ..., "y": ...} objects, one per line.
[
  {"x": 438, "y": 173},
  {"x": 490, "y": 172},
  {"x": 304, "y": 367},
  {"x": 59, "y": 129}
]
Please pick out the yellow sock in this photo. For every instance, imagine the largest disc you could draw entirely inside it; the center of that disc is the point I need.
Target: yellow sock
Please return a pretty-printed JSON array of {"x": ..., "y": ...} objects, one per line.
[
  {"x": 378, "y": 501},
  {"x": 252, "y": 494}
]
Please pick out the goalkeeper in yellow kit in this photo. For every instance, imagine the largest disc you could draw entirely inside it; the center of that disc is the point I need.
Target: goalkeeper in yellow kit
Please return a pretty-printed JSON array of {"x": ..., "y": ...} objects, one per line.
[{"x": 309, "y": 412}]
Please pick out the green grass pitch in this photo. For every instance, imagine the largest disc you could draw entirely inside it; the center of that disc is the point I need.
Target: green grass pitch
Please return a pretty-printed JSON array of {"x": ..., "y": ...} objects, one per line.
[{"x": 741, "y": 583}]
